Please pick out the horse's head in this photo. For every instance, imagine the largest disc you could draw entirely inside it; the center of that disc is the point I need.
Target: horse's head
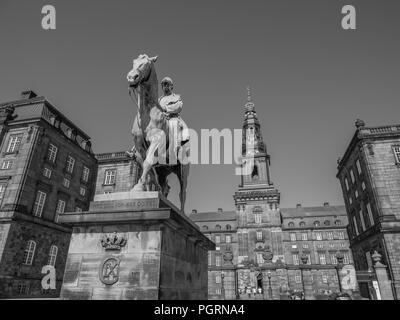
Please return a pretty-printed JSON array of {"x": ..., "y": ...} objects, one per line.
[{"x": 141, "y": 70}]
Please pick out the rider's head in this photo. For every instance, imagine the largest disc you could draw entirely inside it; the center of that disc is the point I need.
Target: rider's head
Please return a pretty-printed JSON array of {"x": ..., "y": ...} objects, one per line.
[{"x": 167, "y": 85}]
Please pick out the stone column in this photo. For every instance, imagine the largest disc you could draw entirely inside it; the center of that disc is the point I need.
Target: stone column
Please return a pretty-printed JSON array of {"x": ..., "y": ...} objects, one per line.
[
  {"x": 384, "y": 282},
  {"x": 307, "y": 283}
]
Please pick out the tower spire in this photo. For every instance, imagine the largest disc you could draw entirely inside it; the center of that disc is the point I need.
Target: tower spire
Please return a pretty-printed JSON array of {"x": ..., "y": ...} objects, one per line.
[
  {"x": 254, "y": 149},
  {"x": 249, "y": 106},
  {"x": 248, "y": 94},
  {"x": 252, "y": 137}
]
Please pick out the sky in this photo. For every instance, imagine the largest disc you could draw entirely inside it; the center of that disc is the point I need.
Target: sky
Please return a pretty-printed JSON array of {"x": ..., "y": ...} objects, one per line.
[{"x": 310, "y": 79}]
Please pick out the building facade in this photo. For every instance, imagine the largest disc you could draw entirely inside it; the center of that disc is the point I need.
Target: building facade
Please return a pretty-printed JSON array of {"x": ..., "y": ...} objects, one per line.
[
  {"x": 369, "y": 174},
  {"x": 271, "y": 251},
  {"x": 117, "y": 172},
  {"x": 47, "y": 167},
  {"x": 318, "y": 233},
  {"x": 221, "y": 228}
]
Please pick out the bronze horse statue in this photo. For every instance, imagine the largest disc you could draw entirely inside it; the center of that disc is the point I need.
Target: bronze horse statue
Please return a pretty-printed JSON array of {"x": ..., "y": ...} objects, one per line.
[{"x": 150, "y": 131}]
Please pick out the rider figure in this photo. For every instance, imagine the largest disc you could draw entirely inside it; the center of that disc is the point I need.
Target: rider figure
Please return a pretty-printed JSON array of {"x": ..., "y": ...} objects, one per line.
[{"x": 172, "y": 105}]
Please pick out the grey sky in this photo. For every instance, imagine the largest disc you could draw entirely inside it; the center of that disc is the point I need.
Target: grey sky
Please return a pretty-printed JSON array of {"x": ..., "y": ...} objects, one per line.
[{"x": 310, "y": 79}]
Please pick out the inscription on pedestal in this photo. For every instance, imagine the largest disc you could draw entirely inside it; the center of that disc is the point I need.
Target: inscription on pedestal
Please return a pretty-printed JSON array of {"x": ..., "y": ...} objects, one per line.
[{"x": 136, "y": 204}]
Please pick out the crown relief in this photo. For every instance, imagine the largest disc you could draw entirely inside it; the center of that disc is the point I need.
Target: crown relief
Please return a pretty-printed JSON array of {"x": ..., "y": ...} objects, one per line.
[{"x": 113, "y": 242}]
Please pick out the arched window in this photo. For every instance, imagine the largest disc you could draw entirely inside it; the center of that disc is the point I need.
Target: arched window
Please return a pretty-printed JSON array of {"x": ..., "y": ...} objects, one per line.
[
  {"x": 29, "y": 252},
  {"x": 52, "y": 255},
  {"x": 205, "y": 228},
  {"x": 291, "y": 224},
  {"x": 254, "y": 174},
  {"x": 302, "y": 224},
  {"x": 228, "y": 227},
  {"x": 317, "y": 223},
  {"x": 338, "y": 223},
  {"x": 218, "y": 227},
  {"x": 327, "y": 223}
]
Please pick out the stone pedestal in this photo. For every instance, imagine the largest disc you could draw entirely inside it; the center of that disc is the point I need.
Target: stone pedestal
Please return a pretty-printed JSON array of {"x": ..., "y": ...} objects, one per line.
[
  {"x": 134, "y": 246},
  {"x": 384, "y": 284}
]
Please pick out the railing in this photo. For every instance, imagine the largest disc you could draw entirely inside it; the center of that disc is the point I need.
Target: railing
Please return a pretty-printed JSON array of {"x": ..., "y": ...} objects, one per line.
[
  {"x": 384, "y": 129},
  {"x": 113, "y": 155}
]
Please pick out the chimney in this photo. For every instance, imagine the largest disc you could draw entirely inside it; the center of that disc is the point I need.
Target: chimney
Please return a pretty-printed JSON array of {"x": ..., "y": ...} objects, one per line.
[
  {"x": 298, "y": 205},
  {"x": 194, "y": 211},
  {"x": 326, "y": 204},
  {"x": 220, "y": 210},
  {"x": 29, "y": 94}
]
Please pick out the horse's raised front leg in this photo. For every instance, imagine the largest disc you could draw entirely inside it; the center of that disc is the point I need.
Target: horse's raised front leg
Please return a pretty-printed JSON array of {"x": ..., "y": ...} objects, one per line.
[{"x": 148, "y": 163}]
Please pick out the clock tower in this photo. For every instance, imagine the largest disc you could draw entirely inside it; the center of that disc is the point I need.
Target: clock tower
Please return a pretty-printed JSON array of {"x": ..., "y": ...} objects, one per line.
[{"x": 257, "y": 201}]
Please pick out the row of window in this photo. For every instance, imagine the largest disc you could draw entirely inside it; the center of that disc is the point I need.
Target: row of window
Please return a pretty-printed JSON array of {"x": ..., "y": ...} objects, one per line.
[
  {"x": 40, "y": 202},
  {"x": 23, "y": 289},
  {"x": 352, "y": 176},
  {"x": 217, "y": 227},
  {"x": 331, "y": 245},
  {"x": 324, "y": 278},
  {"x": 317, "y": 223},
  {"x": 361, "y": 222},
  {"x": 67, "y": 182},
  {"x": 297, "y": 279},
  {"x": 330, "y": 235},
  {"x": 52, "y": 152},
  {"x": 30, "y": 250},
  {"x": 354, "y": 182},
  {"x": 69, "y": 164},
  {"x": 356, "y": 193},
  {"x": 322, "y": 258},
  {"x": 227, "y": 238}
]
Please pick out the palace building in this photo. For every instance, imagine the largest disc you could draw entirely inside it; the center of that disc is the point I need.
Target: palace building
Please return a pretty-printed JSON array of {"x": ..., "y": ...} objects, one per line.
[
  {"x": 264, "y": 251},
  {"x": 47, "y": 167},
  {"x": 369, "y": 174}
]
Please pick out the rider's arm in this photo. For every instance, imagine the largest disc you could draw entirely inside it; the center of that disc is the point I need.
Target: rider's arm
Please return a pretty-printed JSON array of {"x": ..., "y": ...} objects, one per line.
[{"x": 175, "y": 106}]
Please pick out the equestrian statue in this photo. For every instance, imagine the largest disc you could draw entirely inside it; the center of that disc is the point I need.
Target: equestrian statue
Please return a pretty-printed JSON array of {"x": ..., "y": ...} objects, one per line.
[{"x": 160, "y": 136}]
